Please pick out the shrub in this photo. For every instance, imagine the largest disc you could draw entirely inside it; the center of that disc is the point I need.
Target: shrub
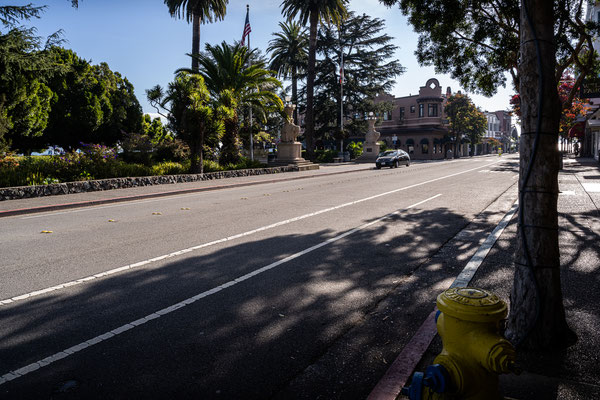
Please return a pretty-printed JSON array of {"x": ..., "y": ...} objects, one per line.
[
  {"x": 325, "y": 156},
  {"x": 168, "y": 168},
  {"x": 355, "y": 149},
  {"x": 122, "y": 169},
  {"x": 211, "y": 166}
]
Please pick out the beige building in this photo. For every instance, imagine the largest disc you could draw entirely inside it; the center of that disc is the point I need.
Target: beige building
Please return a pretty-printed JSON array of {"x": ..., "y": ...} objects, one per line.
[{"x": 417, "y": 123}]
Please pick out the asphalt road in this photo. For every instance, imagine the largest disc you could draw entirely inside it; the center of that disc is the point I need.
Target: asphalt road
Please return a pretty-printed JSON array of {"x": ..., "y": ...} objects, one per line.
[{"x": 235, "y": 293}]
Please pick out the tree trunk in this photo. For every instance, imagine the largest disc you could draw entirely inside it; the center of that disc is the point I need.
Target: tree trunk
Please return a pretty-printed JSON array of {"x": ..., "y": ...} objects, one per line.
[
  {"x": 309, "y": 129},
  {"x": 537, "y": 316},
  {"x": 195, "y": 41},
  {"x": 230, "y": 151},
  {"x": 295, "y": 92},
  {"x": 195, "y": 165}
]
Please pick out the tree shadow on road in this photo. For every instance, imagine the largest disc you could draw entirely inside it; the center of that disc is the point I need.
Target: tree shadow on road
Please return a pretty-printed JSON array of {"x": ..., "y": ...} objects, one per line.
[{"x": 254, "y": 337}]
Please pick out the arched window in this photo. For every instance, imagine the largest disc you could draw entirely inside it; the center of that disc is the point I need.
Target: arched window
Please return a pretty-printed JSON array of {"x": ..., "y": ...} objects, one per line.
[
  {"x": 410, "y": 146},
  {"x": 424, "y": 146}
]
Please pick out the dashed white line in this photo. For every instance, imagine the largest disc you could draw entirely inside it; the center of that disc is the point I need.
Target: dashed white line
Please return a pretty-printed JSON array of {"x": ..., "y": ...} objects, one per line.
[
  {"x": 223, "y": 240},
  {"x": 160, "y": 313}
]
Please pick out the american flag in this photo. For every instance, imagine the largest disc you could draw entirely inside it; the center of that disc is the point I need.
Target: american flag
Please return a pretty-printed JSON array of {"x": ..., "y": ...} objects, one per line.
[{"x": 247, "y": 28}]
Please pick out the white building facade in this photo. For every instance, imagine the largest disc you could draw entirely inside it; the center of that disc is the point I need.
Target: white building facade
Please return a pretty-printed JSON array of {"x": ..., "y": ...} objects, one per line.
[{"x": 592, "y": 132}]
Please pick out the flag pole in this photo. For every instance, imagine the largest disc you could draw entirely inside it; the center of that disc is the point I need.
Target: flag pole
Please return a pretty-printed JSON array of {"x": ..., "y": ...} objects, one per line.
[{"x": 250, "y": 63}]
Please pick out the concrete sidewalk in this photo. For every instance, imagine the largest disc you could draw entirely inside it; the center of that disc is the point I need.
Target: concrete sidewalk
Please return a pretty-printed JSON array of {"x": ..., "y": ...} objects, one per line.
[{"x": 572, "y": 373}]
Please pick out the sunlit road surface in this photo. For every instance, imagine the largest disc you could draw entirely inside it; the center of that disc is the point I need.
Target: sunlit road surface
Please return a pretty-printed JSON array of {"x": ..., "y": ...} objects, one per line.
[{"x": 235, "y": 293}]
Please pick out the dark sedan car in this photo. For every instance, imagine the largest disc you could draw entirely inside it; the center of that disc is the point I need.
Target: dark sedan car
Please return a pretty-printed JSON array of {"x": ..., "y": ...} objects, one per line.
[{"x": 392, "y": 159}]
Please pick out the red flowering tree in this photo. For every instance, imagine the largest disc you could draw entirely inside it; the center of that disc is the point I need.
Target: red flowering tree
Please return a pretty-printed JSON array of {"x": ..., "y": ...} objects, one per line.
[{"x": 570, "y": 110}]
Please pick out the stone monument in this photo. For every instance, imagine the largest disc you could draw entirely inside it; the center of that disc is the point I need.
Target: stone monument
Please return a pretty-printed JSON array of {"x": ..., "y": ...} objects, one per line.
[
  {"x": 370, "y": 146},
  {"x": 289, "y": 150}
]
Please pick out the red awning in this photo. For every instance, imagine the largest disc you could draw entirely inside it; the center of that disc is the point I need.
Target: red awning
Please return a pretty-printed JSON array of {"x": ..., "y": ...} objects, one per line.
[{"x": 577, "y": 130}]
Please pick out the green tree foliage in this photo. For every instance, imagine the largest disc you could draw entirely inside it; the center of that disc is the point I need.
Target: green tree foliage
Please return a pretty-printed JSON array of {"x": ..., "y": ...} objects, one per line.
[
  {"x": 191, "y": 114},
  {"x": 536, "y": 41},
  {"x": 477, "y": 42},
  {"x": 155, "y": 130},
  {"x": 92, "y": 104},
  {"x": 197, "y": 12},
  {"x": 49, "y": 96},
  {"x": 289, "y": 55},
  {"x": 313, "y": 12},
  {"x": 464, "y": 119},
  {"x": 24, "y": 66},
  {"x": 235, "y": 84},
  {"x": 369, "y": 69}
]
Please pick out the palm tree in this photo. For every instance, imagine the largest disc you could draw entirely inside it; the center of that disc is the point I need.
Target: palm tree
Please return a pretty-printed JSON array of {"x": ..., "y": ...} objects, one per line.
[
  {"x": 235, "y": 85},
  {"x": 288, "y": 55},
  {"x": 197, "y": 11},
  {"x": 313, "y": 12}
]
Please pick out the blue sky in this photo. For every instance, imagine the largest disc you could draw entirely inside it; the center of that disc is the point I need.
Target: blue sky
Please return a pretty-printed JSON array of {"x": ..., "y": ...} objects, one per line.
[{"x": 139, "y": 39}]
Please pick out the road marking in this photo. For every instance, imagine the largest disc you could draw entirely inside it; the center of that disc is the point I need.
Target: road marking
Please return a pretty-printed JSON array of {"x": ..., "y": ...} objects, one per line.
[
  {"x": 18, "y": 373},
  {"x": 390, "y": 385},
  {"x": 227, "y": 239}
]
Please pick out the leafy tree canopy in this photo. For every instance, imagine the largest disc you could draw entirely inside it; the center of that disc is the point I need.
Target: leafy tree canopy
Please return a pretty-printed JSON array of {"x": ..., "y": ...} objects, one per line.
[
  {"x": 464, "y": 119},
  {"x": 477, "y": 41},
  {"x": 92, "y": 104},
  {"x": 369, "y": 68},
  {"x": 192, "y": 115},
  {"x": 24, "y": 66}
]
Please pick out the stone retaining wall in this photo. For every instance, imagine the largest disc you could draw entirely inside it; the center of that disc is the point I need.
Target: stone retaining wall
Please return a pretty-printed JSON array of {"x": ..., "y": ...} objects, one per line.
[{"x": 22, "y": 192}]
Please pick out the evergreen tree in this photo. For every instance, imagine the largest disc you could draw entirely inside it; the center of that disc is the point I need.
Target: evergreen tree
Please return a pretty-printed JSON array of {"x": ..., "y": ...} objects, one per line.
[
  {"x": 92, "y": 104},
  {"x": 369, "y": 68},
  {"x": 24, "y": 66}
]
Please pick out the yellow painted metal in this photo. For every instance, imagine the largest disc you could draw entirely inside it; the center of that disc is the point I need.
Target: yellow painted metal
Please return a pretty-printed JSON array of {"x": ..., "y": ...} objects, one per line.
[{"x": 474, "y": 353}]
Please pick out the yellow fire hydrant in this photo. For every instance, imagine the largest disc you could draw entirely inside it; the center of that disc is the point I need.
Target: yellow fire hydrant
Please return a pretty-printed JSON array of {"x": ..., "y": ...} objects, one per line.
[{"x": 473, "y": 355}]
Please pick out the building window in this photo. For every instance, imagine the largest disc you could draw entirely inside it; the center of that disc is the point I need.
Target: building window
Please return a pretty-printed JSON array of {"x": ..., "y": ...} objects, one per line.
[
  {"x": 401, "y": 113},
  {"x": 421, "y": 110},
  {"x": 410, "y": 146},
  {"x": 432, "y": 110},
  {"x": 387, "y": 115},
  {"x": 424, "y": 146},
  {"x": 412, "y": 109}
]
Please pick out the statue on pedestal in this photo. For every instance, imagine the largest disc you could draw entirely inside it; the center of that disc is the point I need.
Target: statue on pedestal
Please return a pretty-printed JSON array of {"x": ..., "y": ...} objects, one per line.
[
  {"x": 370, "y": 146},
  {"x": 290, "y": 131},
  {"x": 372, "y": 135}
]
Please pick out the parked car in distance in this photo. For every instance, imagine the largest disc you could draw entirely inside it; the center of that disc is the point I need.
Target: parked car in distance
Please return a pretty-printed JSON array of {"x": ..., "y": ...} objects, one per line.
[{"x": 392, "y": 159}]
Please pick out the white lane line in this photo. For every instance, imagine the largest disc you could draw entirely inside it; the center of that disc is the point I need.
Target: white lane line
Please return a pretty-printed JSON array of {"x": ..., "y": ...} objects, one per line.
[
  {"x": 223, "y": 240},
  {"x": 464, "y": 278},
  {"x": 18, "y": 373}
]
